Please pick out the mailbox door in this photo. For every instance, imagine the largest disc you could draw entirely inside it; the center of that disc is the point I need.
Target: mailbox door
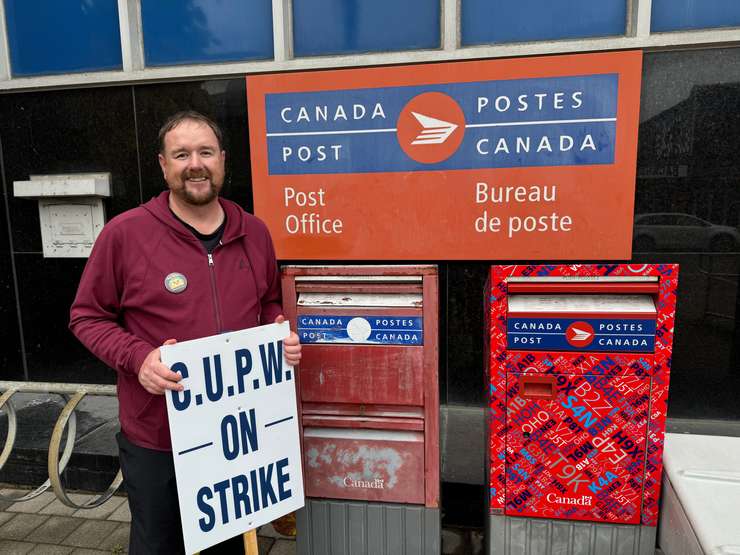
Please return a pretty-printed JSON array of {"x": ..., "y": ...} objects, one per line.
[
  {"x": 362, "y": 374},
  {"x": 365, "y": 464},
  {"x": 575, "y": 446}
]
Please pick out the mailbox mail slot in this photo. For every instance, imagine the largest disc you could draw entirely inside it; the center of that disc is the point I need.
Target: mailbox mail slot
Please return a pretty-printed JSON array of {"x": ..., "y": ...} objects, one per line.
[
  {"x": 367, "y": 381},
  {"x": 579, "y": 365}
]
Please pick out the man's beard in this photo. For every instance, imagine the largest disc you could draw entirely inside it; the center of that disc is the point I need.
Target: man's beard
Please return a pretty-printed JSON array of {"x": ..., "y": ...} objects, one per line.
[{"x": 201, "y": 198}]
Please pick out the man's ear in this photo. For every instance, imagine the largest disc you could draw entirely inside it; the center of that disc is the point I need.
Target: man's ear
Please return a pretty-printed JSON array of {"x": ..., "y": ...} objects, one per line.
[{"x": 161, "y": 159}]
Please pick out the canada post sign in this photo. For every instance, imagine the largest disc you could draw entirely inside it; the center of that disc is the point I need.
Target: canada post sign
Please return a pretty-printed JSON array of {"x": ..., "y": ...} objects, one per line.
[
  {"x": 488, "y": 124},
  {"x": 581, "y": 334},
  {"x": 509, "y": 159},
  {"x": 363, "y": 329}
]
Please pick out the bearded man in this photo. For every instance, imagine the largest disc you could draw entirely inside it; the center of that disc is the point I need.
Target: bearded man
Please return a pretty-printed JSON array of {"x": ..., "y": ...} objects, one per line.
[{"x": 185, "y": 265}]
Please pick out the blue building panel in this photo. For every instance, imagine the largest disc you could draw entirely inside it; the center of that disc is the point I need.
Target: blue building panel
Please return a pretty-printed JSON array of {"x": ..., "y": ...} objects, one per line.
[
  {"x": 62, "y": 36},
  {"x": 349, "y": 26},
  {"x": 499, "y": 21},
  {"x": 677, "y": 15},
  {"x": 203, "y": 31}
]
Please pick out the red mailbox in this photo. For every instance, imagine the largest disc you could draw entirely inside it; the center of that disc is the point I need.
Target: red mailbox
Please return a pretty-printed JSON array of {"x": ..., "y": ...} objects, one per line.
[
  {"x": 579, "y": 364},
  {"x": 368, "y": 387}
]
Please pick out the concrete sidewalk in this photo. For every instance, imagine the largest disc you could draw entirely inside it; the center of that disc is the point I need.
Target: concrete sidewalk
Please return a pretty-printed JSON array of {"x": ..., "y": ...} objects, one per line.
[{"x": 44, "y": 526}]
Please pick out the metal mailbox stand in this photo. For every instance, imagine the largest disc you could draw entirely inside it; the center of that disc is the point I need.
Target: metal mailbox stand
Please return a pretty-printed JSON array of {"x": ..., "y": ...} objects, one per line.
[
  {"x": 368, "y": 407},
  {"x": 579, "y": 365}
]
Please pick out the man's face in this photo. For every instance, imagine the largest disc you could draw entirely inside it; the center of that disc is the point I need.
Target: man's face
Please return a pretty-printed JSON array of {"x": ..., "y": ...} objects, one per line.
[{"x": 192, "y": 163}]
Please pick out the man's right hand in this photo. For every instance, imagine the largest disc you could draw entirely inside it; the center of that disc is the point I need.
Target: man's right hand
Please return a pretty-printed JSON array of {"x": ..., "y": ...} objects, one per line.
[{"x": 156, "y": 377}]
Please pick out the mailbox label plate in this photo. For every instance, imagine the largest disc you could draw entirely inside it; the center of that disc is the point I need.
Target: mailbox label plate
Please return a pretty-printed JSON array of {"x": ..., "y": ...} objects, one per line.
[
  {"x": 636, "y": 335},
  {"x": 362, "y": 329}
]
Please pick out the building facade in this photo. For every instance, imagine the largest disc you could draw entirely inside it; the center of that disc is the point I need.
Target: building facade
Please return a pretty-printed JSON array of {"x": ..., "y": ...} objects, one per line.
[{"x": 85, "y": 84}]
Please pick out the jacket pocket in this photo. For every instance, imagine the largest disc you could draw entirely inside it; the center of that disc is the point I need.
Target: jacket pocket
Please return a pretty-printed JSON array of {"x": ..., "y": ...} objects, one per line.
[{"x": 146, "y": 407}]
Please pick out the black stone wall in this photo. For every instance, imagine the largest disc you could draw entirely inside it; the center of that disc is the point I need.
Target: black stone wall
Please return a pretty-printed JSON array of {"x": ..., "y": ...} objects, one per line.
[{"x": 688, "y": 164}]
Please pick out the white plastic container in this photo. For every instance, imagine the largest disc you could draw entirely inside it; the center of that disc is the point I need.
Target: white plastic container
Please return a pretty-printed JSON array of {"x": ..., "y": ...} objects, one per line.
[{"x": 700, "y": 513}]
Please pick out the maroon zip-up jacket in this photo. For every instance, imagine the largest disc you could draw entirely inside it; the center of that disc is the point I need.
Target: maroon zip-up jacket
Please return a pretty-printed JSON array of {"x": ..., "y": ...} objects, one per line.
[{"x": 123, "y": 308}]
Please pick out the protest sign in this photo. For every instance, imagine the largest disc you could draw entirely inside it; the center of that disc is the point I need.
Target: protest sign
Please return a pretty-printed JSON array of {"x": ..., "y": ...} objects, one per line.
[{"x": 234, "y": 433}]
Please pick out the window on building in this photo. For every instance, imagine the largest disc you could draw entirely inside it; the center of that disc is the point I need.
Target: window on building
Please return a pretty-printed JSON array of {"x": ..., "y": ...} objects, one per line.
[
  {"x": 62, "y": 36},
  {"x": 687, "y": 210},
  {"x": 498, "y": 21},
  {"x": 351, "y": 26},
  {"x": 676, "y": 15},
  {"x": 202, "y": 31}
]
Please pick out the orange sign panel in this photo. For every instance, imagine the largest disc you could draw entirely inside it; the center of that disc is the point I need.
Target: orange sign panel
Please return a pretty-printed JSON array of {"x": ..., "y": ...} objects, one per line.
[{"x": 502, "y": 159}]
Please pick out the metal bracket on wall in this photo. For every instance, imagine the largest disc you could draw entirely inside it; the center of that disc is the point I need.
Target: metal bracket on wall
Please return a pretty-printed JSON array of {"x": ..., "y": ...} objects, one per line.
[{"x": 55, "y": 464}]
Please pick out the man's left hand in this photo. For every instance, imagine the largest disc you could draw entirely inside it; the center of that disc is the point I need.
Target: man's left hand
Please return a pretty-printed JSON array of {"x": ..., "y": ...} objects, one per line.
[{"x": 291, "y": 345}]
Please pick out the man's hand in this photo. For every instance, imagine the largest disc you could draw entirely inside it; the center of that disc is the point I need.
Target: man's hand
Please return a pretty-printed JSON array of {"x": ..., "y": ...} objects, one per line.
[
  {"x": 291, "y": 345},
  {"x": 155, "y": 377}
]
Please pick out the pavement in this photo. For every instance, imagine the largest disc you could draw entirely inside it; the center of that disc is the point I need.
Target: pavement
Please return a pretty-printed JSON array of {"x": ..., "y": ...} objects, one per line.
[{"x": 45, "y": 526}]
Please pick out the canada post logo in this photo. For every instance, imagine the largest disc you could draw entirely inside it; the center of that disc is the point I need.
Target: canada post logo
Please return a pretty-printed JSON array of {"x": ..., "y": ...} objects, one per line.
[
  {"x": 553, "y": 121},
  {"x": 579, "y": 334},
  {"x": 430, "y": 127}
]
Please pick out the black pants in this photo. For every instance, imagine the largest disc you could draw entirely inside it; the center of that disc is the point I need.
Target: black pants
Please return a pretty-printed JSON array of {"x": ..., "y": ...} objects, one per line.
[{"x": 156, "y": 529}]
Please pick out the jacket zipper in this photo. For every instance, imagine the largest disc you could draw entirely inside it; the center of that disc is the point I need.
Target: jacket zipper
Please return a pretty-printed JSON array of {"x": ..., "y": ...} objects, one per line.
[{"x": 214, "y": 292}]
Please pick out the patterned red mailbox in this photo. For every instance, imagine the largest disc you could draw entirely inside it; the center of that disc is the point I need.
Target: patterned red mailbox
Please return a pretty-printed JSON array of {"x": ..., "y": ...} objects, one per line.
[
  {"x": 579, "y": 364},
  {"x": 369, "y": 405}
]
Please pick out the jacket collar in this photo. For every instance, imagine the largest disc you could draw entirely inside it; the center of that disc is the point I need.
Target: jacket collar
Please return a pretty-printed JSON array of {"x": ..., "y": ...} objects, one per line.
[{"x": 235, "y": 226}]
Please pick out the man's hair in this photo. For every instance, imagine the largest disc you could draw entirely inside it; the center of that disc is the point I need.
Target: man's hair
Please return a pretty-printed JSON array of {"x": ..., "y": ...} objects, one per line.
[{"x": 189, "y": 115}]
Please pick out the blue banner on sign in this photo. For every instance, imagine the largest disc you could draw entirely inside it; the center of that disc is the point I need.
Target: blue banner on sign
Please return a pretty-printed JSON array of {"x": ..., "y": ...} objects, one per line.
[
  {"x": 383, "y": 330},
  {"x": 513, "y": 123},
  {"x": 581, "y": 334}
]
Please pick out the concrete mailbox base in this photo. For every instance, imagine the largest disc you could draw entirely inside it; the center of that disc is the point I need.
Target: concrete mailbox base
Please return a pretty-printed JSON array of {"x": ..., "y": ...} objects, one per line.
[
  {"x": 328, "y": 527},
  {"x": 519, "y": 536}
]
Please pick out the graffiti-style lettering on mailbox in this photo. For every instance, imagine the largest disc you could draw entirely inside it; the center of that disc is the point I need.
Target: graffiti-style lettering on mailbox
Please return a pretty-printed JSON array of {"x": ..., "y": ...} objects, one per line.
[{"x": 579, "y": 363}]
